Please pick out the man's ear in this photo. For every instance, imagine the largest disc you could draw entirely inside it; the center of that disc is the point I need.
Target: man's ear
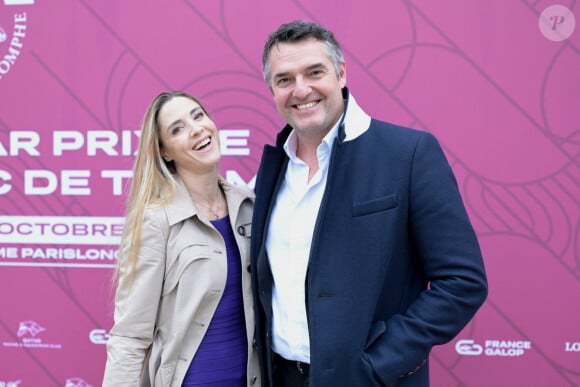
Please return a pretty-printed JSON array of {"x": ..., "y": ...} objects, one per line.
[{"x": 342, "y": 75}]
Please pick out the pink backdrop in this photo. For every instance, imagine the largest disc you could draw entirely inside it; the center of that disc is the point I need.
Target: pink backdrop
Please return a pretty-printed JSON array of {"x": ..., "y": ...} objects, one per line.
[{"x": 495, "y": 81}]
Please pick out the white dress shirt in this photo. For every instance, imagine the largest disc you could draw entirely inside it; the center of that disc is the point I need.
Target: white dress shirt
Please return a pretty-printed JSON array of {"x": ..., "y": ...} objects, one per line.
[
  {"x": 288, "y": 246},
  {"x": 289, "y": 237}
]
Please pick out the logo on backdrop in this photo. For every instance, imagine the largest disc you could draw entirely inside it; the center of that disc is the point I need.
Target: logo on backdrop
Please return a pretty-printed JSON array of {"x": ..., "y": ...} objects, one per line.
[
  {"x": 30, "y": 328},
  {"x": 14, "y": 383},
  {"x": 76, "y": 382},
  {"x": 13, "y": 29},
  {"x": 572, "y": 346},
  {"x": 468, "y": 347},
  {"x": 99, "y": 336},
  {"x": 501, "y": 348},
  {"x": 29, "y": 333},
  {"x": 557, "y": 23}
]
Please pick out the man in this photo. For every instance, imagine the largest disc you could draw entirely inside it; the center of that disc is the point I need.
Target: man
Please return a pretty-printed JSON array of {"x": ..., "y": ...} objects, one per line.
[{"x": 363, "y": 256}]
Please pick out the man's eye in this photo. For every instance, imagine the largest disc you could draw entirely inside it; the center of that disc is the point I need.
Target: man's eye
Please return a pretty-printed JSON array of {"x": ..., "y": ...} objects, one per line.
[{"x": 282, "y": 81}]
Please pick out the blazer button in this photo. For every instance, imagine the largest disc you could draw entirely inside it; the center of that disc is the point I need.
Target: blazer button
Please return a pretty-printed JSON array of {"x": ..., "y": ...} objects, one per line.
[
  {"x": 254, "y": 343},
  {"x": 249, "y": 268},
  {"x": 253, "y": 380}
]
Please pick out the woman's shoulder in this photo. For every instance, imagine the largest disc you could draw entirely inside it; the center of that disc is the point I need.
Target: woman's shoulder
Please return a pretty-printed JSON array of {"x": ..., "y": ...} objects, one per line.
[{"x": 237, "y": 189}]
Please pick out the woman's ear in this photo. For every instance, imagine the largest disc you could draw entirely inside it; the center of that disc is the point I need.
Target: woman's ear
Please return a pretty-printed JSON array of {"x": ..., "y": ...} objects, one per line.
[{"x": 165, "y": 156}]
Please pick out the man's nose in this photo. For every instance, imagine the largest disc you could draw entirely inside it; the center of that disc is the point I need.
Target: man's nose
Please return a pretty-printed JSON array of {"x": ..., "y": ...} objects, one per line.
[{"x": 301, "y": 88}]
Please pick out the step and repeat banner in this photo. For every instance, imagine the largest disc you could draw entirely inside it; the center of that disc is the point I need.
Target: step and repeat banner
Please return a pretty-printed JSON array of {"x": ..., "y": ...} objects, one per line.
[{"x": 498, "y": 82}]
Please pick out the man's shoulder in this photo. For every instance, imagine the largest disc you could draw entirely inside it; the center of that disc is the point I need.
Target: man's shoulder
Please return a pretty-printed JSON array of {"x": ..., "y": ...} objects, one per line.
[
  {"x": 389, "y": 128},
  {"x": 387, "y": 131}
]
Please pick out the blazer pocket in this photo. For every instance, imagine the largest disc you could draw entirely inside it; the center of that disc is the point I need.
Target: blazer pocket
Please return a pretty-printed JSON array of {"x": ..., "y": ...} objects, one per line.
[
  {"x": 378, "y": 329},
  {"x": 184, "y": 258},
  {"x": 375, "y": 205}
]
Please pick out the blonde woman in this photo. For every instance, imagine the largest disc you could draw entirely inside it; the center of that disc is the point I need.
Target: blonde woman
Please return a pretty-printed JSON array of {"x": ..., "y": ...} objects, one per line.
[{"x": 183, "y": 304}]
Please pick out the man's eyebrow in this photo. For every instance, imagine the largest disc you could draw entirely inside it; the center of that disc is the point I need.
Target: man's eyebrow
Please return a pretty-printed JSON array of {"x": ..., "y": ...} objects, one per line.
[
  {"x": 310, "y": 67},
  {"x": 315, "y": 66},
  {"x": 281, "y": 75}
]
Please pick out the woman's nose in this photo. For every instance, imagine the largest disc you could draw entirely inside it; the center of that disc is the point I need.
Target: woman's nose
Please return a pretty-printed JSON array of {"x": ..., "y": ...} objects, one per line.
[{"x": 194, "y": 129}]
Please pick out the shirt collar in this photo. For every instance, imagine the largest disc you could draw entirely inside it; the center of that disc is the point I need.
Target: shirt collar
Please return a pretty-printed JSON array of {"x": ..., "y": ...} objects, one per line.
[
  {"x": 355, "y": 121},
  {"x": 291, "y": 143}
]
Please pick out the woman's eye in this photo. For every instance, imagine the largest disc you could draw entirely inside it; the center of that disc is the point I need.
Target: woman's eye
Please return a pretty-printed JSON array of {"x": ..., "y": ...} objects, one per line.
[
  {"x": 176, "y": 129},
  {"x": 198, "y": 115}
]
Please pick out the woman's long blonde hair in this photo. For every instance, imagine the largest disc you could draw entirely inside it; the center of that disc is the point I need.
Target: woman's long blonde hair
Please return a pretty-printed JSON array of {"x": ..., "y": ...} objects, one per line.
[{"x": 153, "y": 182}]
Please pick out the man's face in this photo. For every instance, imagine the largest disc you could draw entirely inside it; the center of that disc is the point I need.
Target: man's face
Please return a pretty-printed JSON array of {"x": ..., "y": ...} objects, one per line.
[{"x": 306, "y": 88}]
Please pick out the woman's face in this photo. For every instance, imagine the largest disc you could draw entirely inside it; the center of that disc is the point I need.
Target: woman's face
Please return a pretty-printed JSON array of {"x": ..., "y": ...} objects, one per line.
[{"x": 188, "y": 136}]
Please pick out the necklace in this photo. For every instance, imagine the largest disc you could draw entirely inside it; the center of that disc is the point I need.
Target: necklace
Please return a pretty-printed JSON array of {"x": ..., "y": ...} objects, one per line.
[{"x": 215, "y": 212}]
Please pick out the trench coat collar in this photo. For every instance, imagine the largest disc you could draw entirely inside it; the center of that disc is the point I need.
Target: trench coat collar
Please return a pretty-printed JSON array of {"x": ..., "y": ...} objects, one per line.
[{"x": 181, "y": 206}]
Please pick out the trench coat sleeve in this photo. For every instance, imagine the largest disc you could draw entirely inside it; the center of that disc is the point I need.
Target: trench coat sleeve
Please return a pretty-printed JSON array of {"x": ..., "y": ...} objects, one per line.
[
  {"x": 136, "y": 306},
  {"x": 451, "y": 259}
]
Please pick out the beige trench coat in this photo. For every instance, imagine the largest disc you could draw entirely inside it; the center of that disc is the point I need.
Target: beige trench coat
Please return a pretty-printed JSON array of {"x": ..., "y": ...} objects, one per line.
[{"x": 180, "y": 278}]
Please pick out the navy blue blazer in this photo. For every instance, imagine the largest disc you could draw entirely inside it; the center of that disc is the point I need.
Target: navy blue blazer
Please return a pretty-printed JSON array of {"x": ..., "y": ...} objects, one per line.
[{"x": 395, "y": 267}]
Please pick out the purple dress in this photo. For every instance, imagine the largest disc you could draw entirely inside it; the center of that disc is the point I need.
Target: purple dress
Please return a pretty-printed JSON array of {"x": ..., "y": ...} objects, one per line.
[{"x": 221, "y": 360}]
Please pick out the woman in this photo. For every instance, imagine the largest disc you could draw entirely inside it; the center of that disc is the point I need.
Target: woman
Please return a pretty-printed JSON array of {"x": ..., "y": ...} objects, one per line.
[{"x": 183, "y": 305}]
